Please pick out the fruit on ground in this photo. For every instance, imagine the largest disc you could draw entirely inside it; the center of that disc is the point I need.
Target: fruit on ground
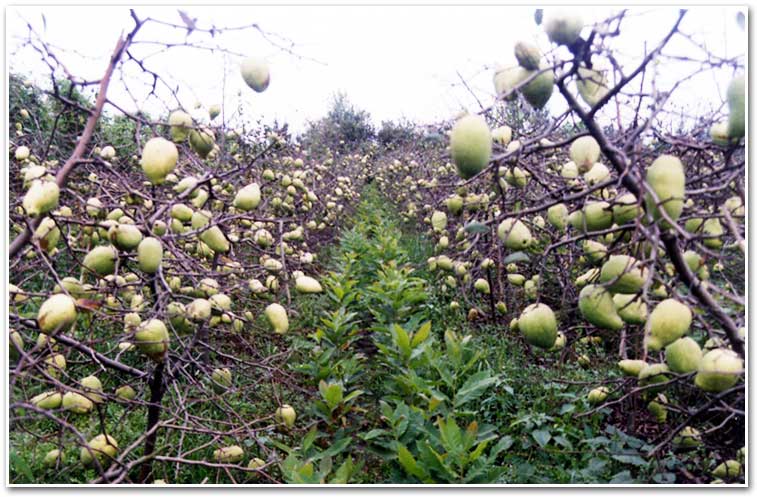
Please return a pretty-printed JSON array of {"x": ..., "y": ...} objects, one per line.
[
  {"x": 152, "y": 339},
  {"x": 482, "y": 286},
  {"x": 438, "y": 221},
  {"x": 248, "y": 198},
  {"x": 42, "y": 197},
  {"x": 631, "y": 308},
  {"x": 22, "y": 153},
  {"x": 622, "y": 274},
  {"x": 728, "y": 469},
  {"x": 125, "y": 392},
  {"x": 277, "y": 317},
  {"x": 51, "y": 457},
  {"x": 598, "y": 308},
  {"x": 102, "y": 447},
  {"x": 255, "y": 73},
  {"x": 286, "y": 415},
  {"x": 736, "y": 107},
  {"x": 150, "y": 255},
  {"x": 56, "y": 314},
  {"x": 228, "y": 455},
  {"x": 687, "y": 438},
  {"x": 598, "y": 395},
  {"x": 306, "y": 284},
  {"x": 470, "y": 145},
  {"x": 199, "y": 310},
  {"x": 667, "y": 179},
  {"x": 683, "y": 355},
  {"x": 719, "y": 370},
  {"x": 632, "y": 367},
  {"x": 668, "y": 322},
  {"x": 93, "y": 388},
  {"x": 181, "y": 124},
  {"x": 222, "y": 379},
  {"x": 538, "y": 324},
  {"x": 101, "y": 260},
  {"x": 502, "y": 135},
  {"x": 514, "y": 234},
  {"x": 562, "y": 26},
  {"x": 159, "y": 158}
]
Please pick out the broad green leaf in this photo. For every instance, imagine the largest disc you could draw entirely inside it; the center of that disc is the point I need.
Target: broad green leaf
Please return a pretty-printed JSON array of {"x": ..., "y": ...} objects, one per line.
[
  {"x": 474, "y": 387},
  {"x": 542, "y": 437},
  {"x": 422, "y": 333},
  {"x": 408, "y": 462}
]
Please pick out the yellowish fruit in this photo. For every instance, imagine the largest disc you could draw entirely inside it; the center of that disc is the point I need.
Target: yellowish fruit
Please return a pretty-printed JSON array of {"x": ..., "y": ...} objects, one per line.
[
  {"x": 286, "y": 415},
  {"x": 598, "y": 308},
  {"x": 668, "y": 322},
  {"x": 150, "y": 255},
  {"x": 584, "y": 152},
  {"x": 228, "y": 455},
  {"x": 56, "y": 314},
  {"x": 277, "y": 317},
  {"x": 736, "y": 107},
  {"x": 538, "y": 324},
  {"x": 248, "y": 198},
  {"x": 42, "y": 197},
  {"x": 102, "y": 447},
  {"x": 159, "y": 158},
  {"x": 631, "y": 308},
  {"x": 719, "y": 370},
  {"x": 623, "y": 274},
  {"x": 181, "y": 124},
  {"x": 598, "y": 395},
  {"x": 152, "y": 339},
  {"x": 470, "y": 145},
  {"x": 667, "y": 179},
  {"x": 683, "y": 355},
  {"x": 77, "y": 403},
  {"x": 632, "y": 367},
  {"x": 306, "y": 284},
  {"x": 514, "y": 234},
  {"x": 47, "y": 400}
]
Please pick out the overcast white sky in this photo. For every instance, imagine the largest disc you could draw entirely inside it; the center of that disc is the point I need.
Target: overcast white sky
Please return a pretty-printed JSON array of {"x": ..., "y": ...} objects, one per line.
[{"x": 391, "y": 61}]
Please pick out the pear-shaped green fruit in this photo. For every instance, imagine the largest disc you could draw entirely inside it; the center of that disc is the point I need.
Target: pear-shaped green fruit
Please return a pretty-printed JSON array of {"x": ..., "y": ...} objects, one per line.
[
  {"x": 584, "y": 152},
  {"x": 286, "y": 415},
  {"x": 538, "y": 324},
  {"x": 669, "y": 321},
  {"x": 595, "y": 251},
  {"x": 438, "y": 221},
  {"x": 56, "y": 314},
  {"x": 102, "y": 447},
  {"x": 125, "y": 236},
  {"x": 101, "y": 260},
  {"x": 562, "y": 26},
  {"x": 125, "y": 392},
  {"x": 481, "y": 285},
  {"x": 632, "y": 367},
  {"x": 687, "y": 438},
  {"x": 93, "y": 388},
  {"x": 626, "y": 209},
  {"x": 719, "y": 370},
  {"x": 623, "y": 274},
  {"x": 222, "y": 379},
  {"x": 77, "y": 403},
  {"x": 306, "y": 284},
  {"x": 41, "y": 198},
  {"x": 514, "y": 234},
  {"x": 539, "y": 90},
  {"x": 527, "y": 54},
  {"x": 598, "y": 395},
  {"x": 728, "y": 469},
  {"x": 159, "y": 158},
  {"x": 150, "y": 255},
  {"x": 181, "y": 124},
  {"x": 152, "y": 339},
  {"x": 598, "y": 308},
  {"x": 255, "y": 73},
  {"x": 51, "y": 458},
  {"x": 470, "y": 145},
  {"x": 667, "y": 179},
  {"x": 683, "y": 355},
  {"x": 248, "y": 198},
  {"x": 557, "y": 215},
  {"x": 47, "y": 400},
  {"x": 592, "y": 85},
  {"x": 201, "y": 141},
  {"x": 229, "y": 455},
  {"x": 199, "y": 310},
  {"x": 277, "y": 316},
  {"x": 631, "y": 308}
]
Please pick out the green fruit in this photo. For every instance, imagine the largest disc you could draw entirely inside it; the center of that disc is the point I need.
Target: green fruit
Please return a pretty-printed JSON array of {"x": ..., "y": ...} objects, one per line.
[
  {"x": 256, "y": 463},
  {"x": 668, "y": 180},
  {"x": 51, "y": 458},
  {"x": 77, "y": 403},
  {"x": 439, "y": 221},
  {"x": 255, "y": 73},
  {"x": 93, "y": 388},
  {"x": 527, "y": 54},
  {"x": 687, "y": 438},
  {"x": 683, "y": 355},
  {"x": 47, "y": 400},
  {"x": 562, "y": 26},
  {"x": 222, "y": 379},
  {"x": 214, "y": 111},
  {"x": 719, "y": 134},
  {"x": 626, "y": 209},
  {"x": 181, "y": 212},
  {"x": 101, "y": 260},
  {"x": 306, "y": 284},
  {"x": 42, "y": 197},
  {"x": 286, "y": 415},
  {"x": 248, "y": 198},
  {"x": 454, "y": 204},
  {"x": 622, "y": 274},
  {"x": 150, "y": 255},
  {"x": 181, "y": 124},
  {"x": 557, "y": 215},
  {"x": 668, "y": 322},
  {"x": 199, "y": 310},
  {"x": 22, "y": 153},
  {"x": 631, "y": 308},
  {"x": 730, "y": 468},
  {"x": 539, "y": 90},
  {"x": 587, "y": 277},
  {"x": 502, "y": 135},
  {"x": 482, "y": 286},
  {"x": 719, "y": 370},
  {"x": 159, "y": 158},
  {"x": 592, "y": 85},
  {"x": 736, "y": 107},
  {"x": 597, "y": 307},
  {"x": 201, "y": 141},
  {"x": 152, "y": 339},
  {"x": 598, "y": 395},
  {"x": 47, "y": 234},
  {"x": 506, "y": 79},
  {"x": 713, "y": 229},
  {"x": 102, "y": 447},
  {"x": 652, "y": 374},
  {"x": 657, "y": 408},
  {"x": 594, "y": 251},
  {"x": 125, "y": 236},
  {"x": 470, "y": 145},
  {"x": 125, "y": 392},
  {"x": 277, "y": 317},
  {"x": 56, "y": 314},
  {"x": 514, "y": 234},
  {"x": 584, "y": 152},
  {"x": 538, "y": 324},
  {"x": 229, "y": 455},
  {"x": 632, "y": 367}
]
